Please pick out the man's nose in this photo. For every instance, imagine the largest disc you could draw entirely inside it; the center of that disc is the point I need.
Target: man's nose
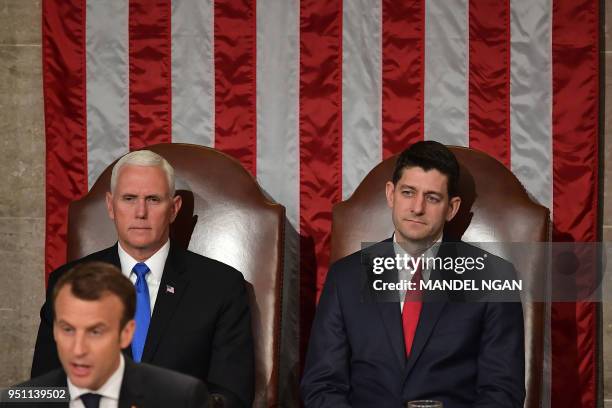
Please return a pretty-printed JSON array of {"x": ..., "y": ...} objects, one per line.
[
  {"x": 141, "y": 208},
  {"x": 418, "y": 204},
  {"x": 79, "y": 347}
]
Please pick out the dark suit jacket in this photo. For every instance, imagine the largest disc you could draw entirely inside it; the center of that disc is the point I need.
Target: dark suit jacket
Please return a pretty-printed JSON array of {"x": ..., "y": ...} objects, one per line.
[
  {"x": 143, "y": 386},
  {"x": 203, "y": 329},
  {"x": 465, "y": 353}
]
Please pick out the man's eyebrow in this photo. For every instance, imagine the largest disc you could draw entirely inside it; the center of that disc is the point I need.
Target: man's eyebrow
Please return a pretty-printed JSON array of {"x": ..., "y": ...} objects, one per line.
[
  {"x": 98, "y": 325},
  {"x": 406, "y": 186},
  {"x": 426, "y": 192},
  {"x": 62, "y": 321},
  {"x": 438, "y": 193}
]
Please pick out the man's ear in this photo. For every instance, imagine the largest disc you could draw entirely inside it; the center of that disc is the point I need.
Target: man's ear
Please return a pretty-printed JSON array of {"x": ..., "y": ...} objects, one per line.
[
  {"x": 127, "y": 333},
  {"x": 453, "y": 206},
  {"x": 177, "y": 201},
  {"x": 109, "y": 205},
  {"x": 389, "y": 190}
]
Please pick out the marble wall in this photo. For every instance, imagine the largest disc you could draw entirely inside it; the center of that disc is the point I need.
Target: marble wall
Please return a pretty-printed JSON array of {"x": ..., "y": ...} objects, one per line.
[{"x": 22, "y": 187}]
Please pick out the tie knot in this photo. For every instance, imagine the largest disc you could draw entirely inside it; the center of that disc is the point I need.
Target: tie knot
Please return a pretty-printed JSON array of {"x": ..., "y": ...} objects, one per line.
[
  {"x": 91, "y": 400},
  {"x": 417, "y": 275},
  {"x": 141, "y": 269}
]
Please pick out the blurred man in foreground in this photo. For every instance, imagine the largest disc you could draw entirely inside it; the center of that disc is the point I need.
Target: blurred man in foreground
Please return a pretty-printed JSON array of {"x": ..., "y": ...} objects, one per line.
[
  {"x": 94, "y": 307},
  {"x": 374, "y": 349},
  {"x": 192, "y": 312}
]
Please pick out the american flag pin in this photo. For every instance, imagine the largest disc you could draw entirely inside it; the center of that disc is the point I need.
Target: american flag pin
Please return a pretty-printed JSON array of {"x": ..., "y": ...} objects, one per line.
[{"x": 170, "y": 289}]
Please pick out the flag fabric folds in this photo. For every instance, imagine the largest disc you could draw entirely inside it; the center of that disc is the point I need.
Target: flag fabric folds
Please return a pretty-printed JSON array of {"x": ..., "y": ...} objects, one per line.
[{"x": 310, "y": 95}]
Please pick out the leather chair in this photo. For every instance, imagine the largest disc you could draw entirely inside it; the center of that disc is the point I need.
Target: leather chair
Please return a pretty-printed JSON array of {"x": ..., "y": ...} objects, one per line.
[
  {"x": 495, "y": 208},
  {"x": 224, "y": 216}
]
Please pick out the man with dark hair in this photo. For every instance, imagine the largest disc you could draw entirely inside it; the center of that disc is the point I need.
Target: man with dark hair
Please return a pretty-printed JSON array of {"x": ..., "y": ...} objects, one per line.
[
  {"x": 192, "y": 312},
  {"x": 94, "y": 307},
  {"x": 429, "y": 155},
  {"x": 370, "y": 348}
]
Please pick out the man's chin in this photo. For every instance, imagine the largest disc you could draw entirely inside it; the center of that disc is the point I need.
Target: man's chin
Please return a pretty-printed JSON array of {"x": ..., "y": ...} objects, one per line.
[
  {"x": 418, "y": 241},
  {"x": 138, "y": 248},
  {"x": 139, "y": 243},
  {"x": 140, "y": 235},
  {"x": 414, "y": 237},
  {"x": 81, "y": 384}
]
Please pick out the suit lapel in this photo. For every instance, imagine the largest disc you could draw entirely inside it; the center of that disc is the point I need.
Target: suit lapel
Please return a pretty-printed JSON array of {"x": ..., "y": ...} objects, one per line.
[
  {"x": 56, "y": 378},
  {"x": 433, "y": 306},
  {"x": 111, "y": 255},
  {"x": 59, "y": 380},
  {"x": 390, "y": 313},
  {"x": 166, "y": 303},
  {"x": 392, "y": 320},
  {"x": 430, "y": 313},
  {"x": 131, "y": 393}
]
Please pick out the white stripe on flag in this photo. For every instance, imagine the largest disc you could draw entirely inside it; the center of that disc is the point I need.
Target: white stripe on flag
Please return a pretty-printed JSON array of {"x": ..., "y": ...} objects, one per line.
[
  {"x": 193, "y": 74},
  {"x": 361, "y": 91},
  {"x": 531, "y": 118},
  {"x": 107, "y": 84},
  {"x": 278, "y": 160},
  {"x": 446, "y": 78},
  {"x": 531, "y": 96},
  {"x": 277, "y": 103}
]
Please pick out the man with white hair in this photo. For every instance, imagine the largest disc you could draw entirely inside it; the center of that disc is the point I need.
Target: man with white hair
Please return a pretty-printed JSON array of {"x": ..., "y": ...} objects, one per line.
[{"x": 192, "y": 312}]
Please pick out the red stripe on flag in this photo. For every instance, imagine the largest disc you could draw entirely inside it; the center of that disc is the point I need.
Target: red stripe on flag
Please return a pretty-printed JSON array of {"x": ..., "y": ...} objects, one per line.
[
  {"x": 403, "y": 74},
  {"x": 575, "y": 52},
  {"x": 320, "y": 122},
  {"x": 235, "y": 80},
  {"x": 64, "y": 90},
  {"x": 489, "y": 77},
  {"x": 320, "y": 125},
  {"x": 150, "y": 73}
]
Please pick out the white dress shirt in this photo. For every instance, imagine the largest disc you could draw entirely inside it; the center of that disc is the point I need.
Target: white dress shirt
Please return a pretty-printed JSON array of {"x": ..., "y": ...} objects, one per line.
[
  {"x": 406, "y": 274},
  {"x": 156, "y": 265},
  {"x": 109, "y": 391}
]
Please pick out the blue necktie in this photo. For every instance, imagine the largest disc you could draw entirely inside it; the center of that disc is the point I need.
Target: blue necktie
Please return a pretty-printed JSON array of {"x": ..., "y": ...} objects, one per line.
[{"x": 143, "y": 311}]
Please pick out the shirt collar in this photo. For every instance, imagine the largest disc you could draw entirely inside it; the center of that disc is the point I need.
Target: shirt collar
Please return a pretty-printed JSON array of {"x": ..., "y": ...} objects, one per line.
[
  {"x": 430, "y": 253},
  {"x": 155, "y": 263},
  {"x": 110, "y": 389}
]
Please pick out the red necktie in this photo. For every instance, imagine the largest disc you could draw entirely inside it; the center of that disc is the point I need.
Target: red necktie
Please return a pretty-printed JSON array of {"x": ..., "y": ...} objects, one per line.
[{"x": 411, "y": 311}]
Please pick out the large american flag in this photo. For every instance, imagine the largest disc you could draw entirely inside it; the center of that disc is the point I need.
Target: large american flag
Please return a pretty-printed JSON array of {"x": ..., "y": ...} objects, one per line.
[{"x": 311, "y": 94}]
